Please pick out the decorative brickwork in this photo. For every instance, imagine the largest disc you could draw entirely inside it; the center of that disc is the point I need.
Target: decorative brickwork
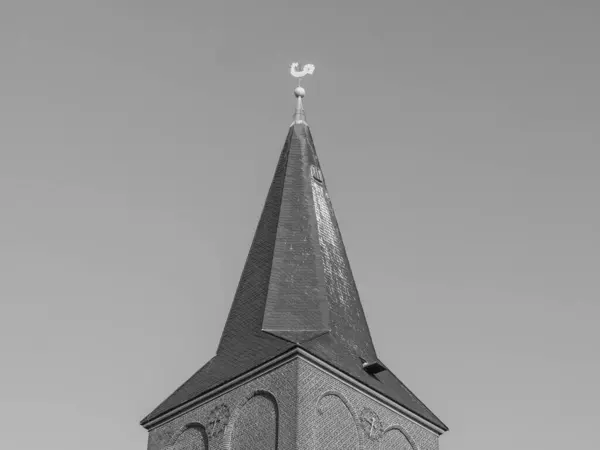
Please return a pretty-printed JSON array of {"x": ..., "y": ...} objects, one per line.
[
  {"x": 257, "y": 424},
  {"x": 315, "y": 385},
  {"x": 337, "y": 428},
  {"x": 218, "y": 420},
  {"x": 278, "y": 386},
  {"x": 296, "y": 406},
  {"x": 395, "y": 438},
  {"x": 191, "y": 437}
]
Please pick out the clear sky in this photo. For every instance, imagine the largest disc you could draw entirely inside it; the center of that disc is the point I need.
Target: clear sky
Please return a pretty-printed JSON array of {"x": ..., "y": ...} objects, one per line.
[{"x": 460, "y": 142}]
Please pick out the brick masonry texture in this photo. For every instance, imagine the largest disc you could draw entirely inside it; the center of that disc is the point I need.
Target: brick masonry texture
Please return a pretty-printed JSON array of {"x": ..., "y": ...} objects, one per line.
[
  {"x": 336, "y": 428},
  {"x": 279, "y": 385},
  {"x": 395, "y": 440},
  {"x": 256, "y": 425},
  {"x": 314, "y": 384},
  {"x": 296, "y": 406},
  {"x": 192, "y": 438}
]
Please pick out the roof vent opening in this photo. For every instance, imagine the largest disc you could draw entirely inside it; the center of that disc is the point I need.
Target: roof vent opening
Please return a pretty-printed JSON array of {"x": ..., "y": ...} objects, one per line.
[{"x": 373, "y": 367}]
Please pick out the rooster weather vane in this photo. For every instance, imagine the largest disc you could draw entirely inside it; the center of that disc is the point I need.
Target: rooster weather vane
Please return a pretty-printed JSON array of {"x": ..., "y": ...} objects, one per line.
[{"x": 308, "y": 69}]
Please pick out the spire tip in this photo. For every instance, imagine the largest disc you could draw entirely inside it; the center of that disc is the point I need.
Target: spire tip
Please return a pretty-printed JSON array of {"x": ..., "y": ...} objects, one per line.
[{"x": 299, "y": 92}]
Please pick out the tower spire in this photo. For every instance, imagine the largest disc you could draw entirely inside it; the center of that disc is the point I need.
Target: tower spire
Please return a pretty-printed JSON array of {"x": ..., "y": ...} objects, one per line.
[{"x": 296, "y": 294}]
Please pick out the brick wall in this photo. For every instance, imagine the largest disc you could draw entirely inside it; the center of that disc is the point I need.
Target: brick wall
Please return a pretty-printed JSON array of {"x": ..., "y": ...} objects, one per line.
[
  {"x": 256, "y": 424},
  {"x": 254, "y": 409},
  {"x": 296, "y": 406},
  {"x": 321, "y": 397}
]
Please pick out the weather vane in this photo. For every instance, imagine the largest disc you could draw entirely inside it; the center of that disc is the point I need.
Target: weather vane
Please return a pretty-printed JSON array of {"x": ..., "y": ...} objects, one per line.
[{"x": 308, "y": 69}]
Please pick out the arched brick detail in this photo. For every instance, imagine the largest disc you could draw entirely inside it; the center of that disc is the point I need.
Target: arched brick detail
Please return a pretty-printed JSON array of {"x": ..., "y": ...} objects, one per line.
[
  {"x": 201, "y": 432},
  {"x": 396, "y": 427},
  {"x": 230, "y": 431},
  {"x": 354, "y": 417}
]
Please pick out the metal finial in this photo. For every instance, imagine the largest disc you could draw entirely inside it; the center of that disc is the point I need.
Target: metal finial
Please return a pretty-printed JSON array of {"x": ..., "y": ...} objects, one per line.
[{"x": 299, "y": 92}]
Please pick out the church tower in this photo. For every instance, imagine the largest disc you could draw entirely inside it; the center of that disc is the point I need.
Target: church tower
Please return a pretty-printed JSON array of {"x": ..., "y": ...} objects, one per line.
[{"x": 296, "y": 368}]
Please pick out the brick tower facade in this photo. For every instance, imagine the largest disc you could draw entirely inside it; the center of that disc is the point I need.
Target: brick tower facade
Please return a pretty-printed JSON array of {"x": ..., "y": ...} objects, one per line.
[{"x": 296, "y": 368}]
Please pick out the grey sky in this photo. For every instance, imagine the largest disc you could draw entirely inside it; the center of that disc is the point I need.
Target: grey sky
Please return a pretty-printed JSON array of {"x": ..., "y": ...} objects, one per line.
[{"x": 461, "y": 148}]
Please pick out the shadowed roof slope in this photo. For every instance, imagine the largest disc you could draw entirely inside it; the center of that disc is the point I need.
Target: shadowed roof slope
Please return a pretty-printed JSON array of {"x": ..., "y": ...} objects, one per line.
[{"x": 296, "y": 289}]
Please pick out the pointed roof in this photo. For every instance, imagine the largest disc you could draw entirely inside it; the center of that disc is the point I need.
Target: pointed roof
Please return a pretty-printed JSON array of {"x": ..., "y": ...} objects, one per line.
[{"x": 297, "y": 288}]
